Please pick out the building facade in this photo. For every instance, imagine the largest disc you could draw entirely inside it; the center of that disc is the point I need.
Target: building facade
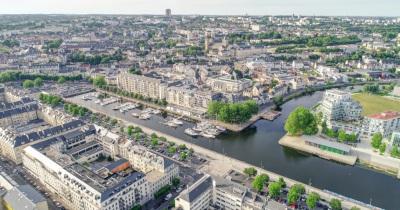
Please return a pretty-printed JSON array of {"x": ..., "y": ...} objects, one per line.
[{"x": 337, "y": 105}]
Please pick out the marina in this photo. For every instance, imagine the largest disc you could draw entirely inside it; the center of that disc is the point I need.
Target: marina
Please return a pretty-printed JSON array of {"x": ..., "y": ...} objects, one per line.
[{"x": 258, "y": 145}]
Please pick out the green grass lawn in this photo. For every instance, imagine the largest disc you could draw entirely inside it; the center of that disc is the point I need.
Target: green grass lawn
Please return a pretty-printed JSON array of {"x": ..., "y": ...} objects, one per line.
[{"x": 374, "y": 103}]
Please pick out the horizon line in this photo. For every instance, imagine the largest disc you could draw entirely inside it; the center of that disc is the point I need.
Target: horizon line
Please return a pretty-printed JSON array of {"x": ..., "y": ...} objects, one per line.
[{"x": 198, "y": 14}]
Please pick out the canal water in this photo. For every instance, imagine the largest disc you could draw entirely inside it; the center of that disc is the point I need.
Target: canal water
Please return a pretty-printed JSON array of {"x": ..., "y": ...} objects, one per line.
[{"x": 258, "y": 145}]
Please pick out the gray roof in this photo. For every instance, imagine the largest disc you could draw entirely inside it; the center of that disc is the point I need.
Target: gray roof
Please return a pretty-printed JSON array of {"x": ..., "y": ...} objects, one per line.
[
  {"x": 34, "y": 136},
  {"x": 193, "y": 193},
  {"x": 132, "y": 178},
  {"x": 23, "y": 197},
  {"x": 19, "y": 110}
]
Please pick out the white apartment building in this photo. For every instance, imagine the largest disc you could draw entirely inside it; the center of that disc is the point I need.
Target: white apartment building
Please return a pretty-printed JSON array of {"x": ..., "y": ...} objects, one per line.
[
  {"x": 148, "y": 85},
  {"x": 232, "y": 196},
  {"x": 385, "y": 123},
  {"x": 219, "y": 193},
  {"x": 337, "y": 105}
]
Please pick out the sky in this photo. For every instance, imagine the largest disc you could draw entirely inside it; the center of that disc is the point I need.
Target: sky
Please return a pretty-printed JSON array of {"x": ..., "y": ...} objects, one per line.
[{"x": 205, "y": 7}]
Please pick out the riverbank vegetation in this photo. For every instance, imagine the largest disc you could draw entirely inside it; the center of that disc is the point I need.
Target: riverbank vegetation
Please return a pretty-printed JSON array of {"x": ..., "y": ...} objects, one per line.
[
  {"x": 301, "y": 121},
  {"x": 232, "y": 112}
]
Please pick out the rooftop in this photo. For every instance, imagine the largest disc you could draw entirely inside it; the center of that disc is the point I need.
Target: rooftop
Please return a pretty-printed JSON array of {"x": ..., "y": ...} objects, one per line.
[
  {"x": 195, "y": 190},
  {"x": 388, "y": 115}
]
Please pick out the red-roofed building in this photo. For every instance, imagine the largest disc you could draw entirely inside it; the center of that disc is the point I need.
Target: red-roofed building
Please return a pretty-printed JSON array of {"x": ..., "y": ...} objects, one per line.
[{"x": 384, "y": 123}]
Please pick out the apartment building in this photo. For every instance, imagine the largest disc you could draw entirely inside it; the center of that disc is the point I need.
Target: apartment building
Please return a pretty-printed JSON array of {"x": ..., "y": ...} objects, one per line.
[
  {"x": 232, "y": 196},
  {"x": 159, "y": 170},
  {"x": 385, "y": 123},
  {"x": 74, "y": 167},
  {"x": 198, "y": 196},
  {"x": 13, "y": 140},
  {"x": 93, "y": 185},
  {"x": 395, "y": 140},
  {"x": 148, "y": 85},
  {"x": 337, "y": 105},
  {"x": 228, "y": 84},
  {"x": 219, "y": 193},
  {"x": 19, "y": 112}
]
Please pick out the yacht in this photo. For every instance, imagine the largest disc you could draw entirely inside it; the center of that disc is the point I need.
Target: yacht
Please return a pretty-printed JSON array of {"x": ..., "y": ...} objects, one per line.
[
  {"x": 170, "y": 124},
  {"x": 207, "y": 134},
  {"x": 176, "y": 121},
  {"x": 191, "y": 132},
  {"x": 134, "y": 114},
  {"x": 144, "y": 116},
  {"x": 156, "y": 111}
]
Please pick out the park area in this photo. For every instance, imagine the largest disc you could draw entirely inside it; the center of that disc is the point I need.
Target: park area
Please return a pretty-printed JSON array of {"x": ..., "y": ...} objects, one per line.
[{"x": 374, "y": 103}]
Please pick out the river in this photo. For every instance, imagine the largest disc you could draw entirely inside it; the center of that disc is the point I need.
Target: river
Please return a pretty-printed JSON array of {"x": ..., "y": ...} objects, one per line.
[{"x": 258, "y": 145}]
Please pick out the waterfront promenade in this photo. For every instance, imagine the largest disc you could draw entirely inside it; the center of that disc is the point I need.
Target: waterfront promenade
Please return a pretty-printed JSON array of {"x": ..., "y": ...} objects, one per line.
[
  {"x": 219, "y": 164},
  {"x": 298, "y": 143}
]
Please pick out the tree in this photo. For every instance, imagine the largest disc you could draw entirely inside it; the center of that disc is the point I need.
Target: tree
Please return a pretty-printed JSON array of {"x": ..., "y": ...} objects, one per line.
[
  {"x": 153, "y": 135},
  {"x": 294, "y": 193},
  {"x": 28, "y": 84},
  {"x": 395, "y": 152},
  {"x": 250, "y": 171},
  {"x": 259, "y": 182},
  {"x": 99, "y": 81},
  {"x": 129, "y": 130},
  {"x": 183, "y": 156},
  {"x": 38, "y": 82},
  {"x": 61, "y": 80},
  {"x": 282, "y": 182},
  {"x": 382, "y": 148},
  {"x": 376, "y": 140},
  {"x": 301, "y": 121},
  {"x": 154, "y": 141},
  {"x": 232, "y": 112},
  {"x": 138, "y": 136},
  {"x": 176, "y": 181},
  {"x": 312, "y": 200},
  {"x": 335, "y": 204},
  {"x": 274, "y": 189},
  {"x": 171, "y": 149},
  {"x": 342, "y": 135}
]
